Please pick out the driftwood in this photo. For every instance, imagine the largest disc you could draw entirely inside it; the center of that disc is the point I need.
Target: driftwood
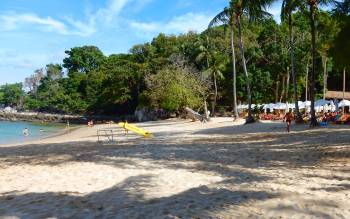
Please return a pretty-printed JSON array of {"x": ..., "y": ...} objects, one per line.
[{"x": 196, "y": 116}]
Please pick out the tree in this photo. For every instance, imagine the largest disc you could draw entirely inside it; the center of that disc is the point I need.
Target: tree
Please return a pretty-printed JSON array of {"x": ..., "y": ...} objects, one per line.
[
  {"x": 113, "y": 86},
  {"x": 33, "y": 82},
  {"x": 288, "y": 7},
  {"x": 83, "y": 59},
  {"x": 54, "y": 71},
  {"x": 227, "y": 17},
  {"x": 328, "y": 28},
  {"x": 313, "y": 9},
  {"x": 11, "y": 94},
  {"x": 174, "y": 87},
  {"x": 254, "y": 10},
  {"x": 214, "y": 66},
  {"x": 341, "y": 47}
]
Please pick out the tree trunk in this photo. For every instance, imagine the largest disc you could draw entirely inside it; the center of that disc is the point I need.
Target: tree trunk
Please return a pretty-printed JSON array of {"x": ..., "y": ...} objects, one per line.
[
  {"x": 344, "y": 87},
  {"x": 282, "y": 89},
  {"x": 292, "y": 63},
  {"x": 250, "y": 118},
  {"x": 287, "y": 84},
  {"x": 205, "y": 101},
  {"x": 235, "y": 110},
  {"x": 306, "y": 81},
  {"x": 325, "y": 75},
  {"x": 277, "y": 91},
  {"x": 215, "y": 93},
  {"x": 313, "y": 9},
  {"x": 206, "y": 109}
]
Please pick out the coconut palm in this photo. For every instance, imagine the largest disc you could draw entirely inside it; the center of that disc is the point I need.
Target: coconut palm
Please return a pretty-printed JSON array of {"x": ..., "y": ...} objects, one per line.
[
  {"x": 215, "y": 65},
  {"x": 227, "y": 17},
  {"x": 205, "y": 54},
  {"x": 254, "y": 10},
  {"x": 313, "y": 8},
  {"x": 288, "y": 7}
]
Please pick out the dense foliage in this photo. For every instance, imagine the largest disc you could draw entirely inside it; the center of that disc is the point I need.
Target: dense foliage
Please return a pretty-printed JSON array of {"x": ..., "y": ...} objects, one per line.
[{"x": 87, "y": 81}]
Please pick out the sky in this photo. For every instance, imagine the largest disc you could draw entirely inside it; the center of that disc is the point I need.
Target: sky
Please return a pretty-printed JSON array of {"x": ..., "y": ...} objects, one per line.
[{"x": 34, "y": 33}]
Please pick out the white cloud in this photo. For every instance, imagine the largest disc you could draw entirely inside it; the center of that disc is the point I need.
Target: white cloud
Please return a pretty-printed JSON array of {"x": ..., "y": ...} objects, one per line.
[
  {"x": 13, "y": 21},
  {"x": 68, "y": 25},
  {"x": 112, "y": 10},
  {"x": 179, "y": 24}
]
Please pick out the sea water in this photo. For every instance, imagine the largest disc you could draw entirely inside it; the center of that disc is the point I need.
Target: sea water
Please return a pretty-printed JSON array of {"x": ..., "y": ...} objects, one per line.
[{"x": 12, "y": 132}]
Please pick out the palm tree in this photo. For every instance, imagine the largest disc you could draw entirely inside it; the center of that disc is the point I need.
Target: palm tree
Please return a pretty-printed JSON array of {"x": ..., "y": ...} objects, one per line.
[
  {"x": 288, "y": 7},
  {"x": 254, "y": 10},
  {"x": 206, "y": 55},
  {"x": 215, "y": 65},
  {"x": 313, "y": 8},
  {"x": 227, "y": 17}
]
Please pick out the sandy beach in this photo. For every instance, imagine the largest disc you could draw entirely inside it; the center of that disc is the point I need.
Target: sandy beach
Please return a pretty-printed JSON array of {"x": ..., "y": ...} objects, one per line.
[{"x": 187, "y": 170}]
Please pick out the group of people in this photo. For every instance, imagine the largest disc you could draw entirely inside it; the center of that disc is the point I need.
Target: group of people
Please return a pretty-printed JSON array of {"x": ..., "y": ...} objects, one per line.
[
  {"x": 323, "y": 118},
  {"x": 334, "y": 117},
  {"x": 25, "y": 132}
]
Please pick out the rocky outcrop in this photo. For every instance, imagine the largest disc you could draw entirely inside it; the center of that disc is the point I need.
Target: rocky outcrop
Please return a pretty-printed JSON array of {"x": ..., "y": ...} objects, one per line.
[
  {"x": 39, "y": 117},
  {"x": 144, "y": 115}
]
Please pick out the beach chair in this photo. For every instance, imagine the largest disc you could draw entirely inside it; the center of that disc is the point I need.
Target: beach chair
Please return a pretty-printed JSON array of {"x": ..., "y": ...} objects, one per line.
[{"x": 107, "y": 134}]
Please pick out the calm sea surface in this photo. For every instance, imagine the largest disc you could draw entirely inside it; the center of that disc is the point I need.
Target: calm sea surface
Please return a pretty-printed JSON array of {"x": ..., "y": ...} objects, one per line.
[{"x": 12, "y": 132}]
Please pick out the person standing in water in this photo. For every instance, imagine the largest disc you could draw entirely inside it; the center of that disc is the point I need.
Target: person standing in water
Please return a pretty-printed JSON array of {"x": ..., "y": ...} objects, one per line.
[
  {"x": 288, "y": 118},
  {"x": 26, "y": 132}
]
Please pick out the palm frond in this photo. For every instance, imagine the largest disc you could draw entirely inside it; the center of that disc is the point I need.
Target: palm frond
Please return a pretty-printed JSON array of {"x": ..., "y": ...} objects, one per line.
[
  {"x": 289, "y": 6},
  {"x": 221, "y": 18}
]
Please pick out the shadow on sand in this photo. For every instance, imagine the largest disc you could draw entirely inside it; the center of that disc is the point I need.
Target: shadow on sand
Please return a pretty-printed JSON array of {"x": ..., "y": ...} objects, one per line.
[{"x": 218, "y": 155}]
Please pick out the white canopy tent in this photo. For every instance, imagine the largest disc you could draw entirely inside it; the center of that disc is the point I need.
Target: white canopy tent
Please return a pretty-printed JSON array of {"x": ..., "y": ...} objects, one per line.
[{"x": 344, "y": 103}]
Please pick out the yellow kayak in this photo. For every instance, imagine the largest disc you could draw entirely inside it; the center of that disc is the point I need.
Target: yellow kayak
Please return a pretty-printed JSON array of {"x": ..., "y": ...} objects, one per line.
[{"x": 135, "y": 129}]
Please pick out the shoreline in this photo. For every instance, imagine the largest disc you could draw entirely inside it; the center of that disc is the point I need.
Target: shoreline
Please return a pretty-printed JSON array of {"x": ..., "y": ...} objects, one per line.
[{"x": 56, "y": 134}]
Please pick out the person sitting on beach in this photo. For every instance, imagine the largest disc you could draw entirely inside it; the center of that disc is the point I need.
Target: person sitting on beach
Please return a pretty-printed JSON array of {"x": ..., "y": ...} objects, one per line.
[
  {"x": 25, "y": 132},
  {"x": 288, "y": 118}
]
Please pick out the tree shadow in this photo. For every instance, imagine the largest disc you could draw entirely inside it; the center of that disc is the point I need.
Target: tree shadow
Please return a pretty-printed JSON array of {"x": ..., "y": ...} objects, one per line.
[
  {"x": 298, "y": 149},
  {"x": 233, "y": 157},
  {"x": 126, "y": 200}
]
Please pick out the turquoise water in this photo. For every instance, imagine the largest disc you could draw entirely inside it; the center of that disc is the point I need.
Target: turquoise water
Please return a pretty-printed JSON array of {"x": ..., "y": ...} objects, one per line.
[{"x": 12, "y": 132}]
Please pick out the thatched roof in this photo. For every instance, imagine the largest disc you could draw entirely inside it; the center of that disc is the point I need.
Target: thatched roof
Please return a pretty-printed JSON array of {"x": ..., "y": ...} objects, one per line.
[{"x": 337, "y": 95}]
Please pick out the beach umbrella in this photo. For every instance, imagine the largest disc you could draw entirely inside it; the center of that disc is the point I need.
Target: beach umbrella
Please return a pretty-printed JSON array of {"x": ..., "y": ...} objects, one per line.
[
  {"x": 303, "y": 105},
  {"x": 344, "y": 103},
  {"x": 242, "y": 106},
  {"x": 322, "y": 103},
  {"x": 269, "y": 106},
  {"x": 290, "y": 105},
  {"x": 280, "y": 106},
  {"x": 332, "y": 107}
]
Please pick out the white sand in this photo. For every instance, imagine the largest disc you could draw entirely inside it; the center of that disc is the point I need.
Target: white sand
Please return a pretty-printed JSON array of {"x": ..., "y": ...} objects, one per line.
[{"x": 188, "y": 170}]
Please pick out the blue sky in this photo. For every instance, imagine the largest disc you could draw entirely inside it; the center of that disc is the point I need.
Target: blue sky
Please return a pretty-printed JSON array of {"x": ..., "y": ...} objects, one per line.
[{"x": 34, "y": 33}]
